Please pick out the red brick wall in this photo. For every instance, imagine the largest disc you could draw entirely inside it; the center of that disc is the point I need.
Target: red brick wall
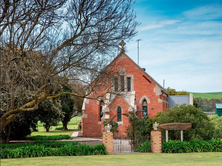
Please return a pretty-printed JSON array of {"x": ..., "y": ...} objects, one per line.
[
  {"x": 143, "y": 86},
  {"x": 90, "y": 126},
  {"x": 119, "y": 101}
]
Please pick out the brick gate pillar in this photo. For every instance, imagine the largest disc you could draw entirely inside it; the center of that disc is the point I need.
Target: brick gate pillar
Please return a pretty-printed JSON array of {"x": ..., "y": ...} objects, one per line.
[
  {"x": 108, "y": 141},
  {"x": 155, "y": 141}
]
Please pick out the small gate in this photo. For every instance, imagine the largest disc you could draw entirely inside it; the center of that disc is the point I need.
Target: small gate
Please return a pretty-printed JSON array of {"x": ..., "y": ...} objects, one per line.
[{"x": 122, "y": 145}]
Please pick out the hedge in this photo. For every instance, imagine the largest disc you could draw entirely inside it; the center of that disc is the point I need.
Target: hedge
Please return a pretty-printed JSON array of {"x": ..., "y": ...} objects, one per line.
[
  {"x": 185, "y": 147},
  {"x": 40, "y": 151},
  {"x": 192, "y": 146},
  {"x": 53, "y": 137},
  {"x": 45, "y": 143}
]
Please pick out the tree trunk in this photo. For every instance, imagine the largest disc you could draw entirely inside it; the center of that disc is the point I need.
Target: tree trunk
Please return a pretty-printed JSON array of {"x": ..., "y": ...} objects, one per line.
[
  {"x": 8, "y": 133},
  {"x": 47, "y": 129},
  {"x": 65, "y": 123},
  {"x": 1, "y": 140},
  {"x": 2, "y": 126}
]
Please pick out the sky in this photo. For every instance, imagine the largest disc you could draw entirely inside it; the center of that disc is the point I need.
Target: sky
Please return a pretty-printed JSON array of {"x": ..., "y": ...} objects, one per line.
[{"x": 180, "y": 42}]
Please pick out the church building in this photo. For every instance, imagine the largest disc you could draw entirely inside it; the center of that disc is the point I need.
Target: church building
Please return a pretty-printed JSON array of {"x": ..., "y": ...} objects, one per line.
[{"x": 131, "y": 89}]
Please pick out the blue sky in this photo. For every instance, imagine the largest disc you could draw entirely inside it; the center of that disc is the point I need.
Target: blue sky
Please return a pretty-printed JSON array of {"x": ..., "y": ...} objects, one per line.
[{"x": 181, "y": 42}]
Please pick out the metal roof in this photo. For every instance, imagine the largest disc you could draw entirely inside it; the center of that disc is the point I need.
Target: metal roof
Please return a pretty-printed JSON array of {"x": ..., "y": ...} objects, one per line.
[{"x": 219, "y": 106}]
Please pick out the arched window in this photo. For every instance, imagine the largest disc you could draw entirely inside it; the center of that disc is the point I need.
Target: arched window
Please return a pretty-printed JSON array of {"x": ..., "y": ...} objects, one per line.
[
  {"x": 144, "y": 104},
  {"x": 119, "y": 114},
  {"x": 101, "y": 110}
]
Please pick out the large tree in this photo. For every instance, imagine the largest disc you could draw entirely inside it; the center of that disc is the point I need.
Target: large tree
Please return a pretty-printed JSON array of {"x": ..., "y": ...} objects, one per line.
[{"x": 44, "y": 42}]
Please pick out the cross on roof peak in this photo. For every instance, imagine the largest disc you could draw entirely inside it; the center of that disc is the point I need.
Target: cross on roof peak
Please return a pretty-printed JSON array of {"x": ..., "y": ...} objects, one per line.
[{"x": 122, "y": 44}]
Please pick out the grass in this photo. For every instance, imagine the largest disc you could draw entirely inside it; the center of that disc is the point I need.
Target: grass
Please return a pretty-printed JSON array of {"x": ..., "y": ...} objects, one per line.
[
  {"x": 197, "y": 159},
  {"x": 210, "y": 95},
  {"x": 73, "y": 124}
]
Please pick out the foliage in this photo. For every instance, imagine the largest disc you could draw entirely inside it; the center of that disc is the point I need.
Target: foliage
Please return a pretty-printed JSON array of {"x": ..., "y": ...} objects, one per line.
[
  {"x": 173, "y": 92},
  {"x": 67, "y": 107},
  {"x": 71, "y": 106},
  {"x": 40, "y": 150},
  {"x": 195, "y": 104},
  {"x": 49, "y": 113},
  {"x": 114, "y": 124},
  {"x": 22, "y": 126},
  {"x": 45, "y": 143},
  {"x": 60, "y": 39},
  {"x": 138, "y": 130},
  {"x": 192, "y": 146},
  {"x": 58, "y": 128},
  {"x": 202, "y": 128},
  {"x": 207, "y": 105},
  {"x": 145, "y": 147},
  {"x": 53, "y": 137},
  {"x": 217, "y": 122},
  {"x": 23, "y": 123}
]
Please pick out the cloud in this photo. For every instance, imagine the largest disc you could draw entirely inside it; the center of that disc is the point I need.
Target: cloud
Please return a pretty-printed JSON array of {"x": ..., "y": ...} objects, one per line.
[
  {"x": 159, "y": 24},
  {"x": 203, "y": 28},
  {"x": 185, "y": 50},
  {"x": 204, "y": 13},
  {"x": 191, "y": 64}
]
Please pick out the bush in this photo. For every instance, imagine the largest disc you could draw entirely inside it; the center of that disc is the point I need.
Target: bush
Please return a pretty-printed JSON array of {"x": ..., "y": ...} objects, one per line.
[
  {"x": 59, "y": 128},
  {"x": 39, "y": 150},
  {"x": 45, "y": 143},
  {"x": 192, "y": 146},
  {"x": 23, "y": 125},
  {"x": 217, "y": 122},
  {"x": 202, "y": 128},
  {"x": 53, "y": 137},
  {"x": 145, "y": 147}
]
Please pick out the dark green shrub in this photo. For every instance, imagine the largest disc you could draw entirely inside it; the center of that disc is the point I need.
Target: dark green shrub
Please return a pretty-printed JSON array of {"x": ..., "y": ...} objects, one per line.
[
  {"x": 53, "y": 137},
  {"x": 192, "y": 146},
  {"x": 45, "y": 143},
  {"x": 30, "y": 150},
  {"x": 58, "y": 128},
  {"x": 23, "y": 125},
  {"x": 145, "y": 147},
  {"x": 202, "y": 128},
  {"x": 217, "y": 122}
]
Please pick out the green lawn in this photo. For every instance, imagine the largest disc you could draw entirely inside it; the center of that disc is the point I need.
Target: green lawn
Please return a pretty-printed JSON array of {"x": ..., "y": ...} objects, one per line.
[
  {"x": 210, "y": 95},
  {"x": 73, "y": 124},
  {"x": 197, "y": 159}
]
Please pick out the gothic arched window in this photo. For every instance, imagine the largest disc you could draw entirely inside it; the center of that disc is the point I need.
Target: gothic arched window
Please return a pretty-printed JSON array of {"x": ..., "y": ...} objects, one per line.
[
  {"x": 144, "y": 105},
  {"x": 119, "y": 114}
]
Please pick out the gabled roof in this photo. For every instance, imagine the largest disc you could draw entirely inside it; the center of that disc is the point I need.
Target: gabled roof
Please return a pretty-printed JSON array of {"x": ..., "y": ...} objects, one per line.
[{"x": 122, "y": 52}]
